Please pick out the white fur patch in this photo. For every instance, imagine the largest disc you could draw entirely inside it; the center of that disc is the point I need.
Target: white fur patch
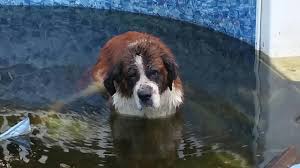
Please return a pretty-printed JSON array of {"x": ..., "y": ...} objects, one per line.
[
  {"x": 169, "y": 100},
  {"x": 144, "y": 81}
]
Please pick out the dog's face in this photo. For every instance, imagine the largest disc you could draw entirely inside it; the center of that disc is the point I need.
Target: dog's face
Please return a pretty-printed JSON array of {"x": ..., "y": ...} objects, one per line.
[{"x": 144, "y": 73}]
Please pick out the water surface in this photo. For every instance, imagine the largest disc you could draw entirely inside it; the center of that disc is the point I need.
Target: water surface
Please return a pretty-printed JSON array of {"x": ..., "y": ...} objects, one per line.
[{"x": 44, "y": 56}]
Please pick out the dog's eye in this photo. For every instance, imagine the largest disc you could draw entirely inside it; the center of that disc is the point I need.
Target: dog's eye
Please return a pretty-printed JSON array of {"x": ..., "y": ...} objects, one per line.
[
  {"x": 153, "y": 73},
  {"x": 132, "y": 74}
]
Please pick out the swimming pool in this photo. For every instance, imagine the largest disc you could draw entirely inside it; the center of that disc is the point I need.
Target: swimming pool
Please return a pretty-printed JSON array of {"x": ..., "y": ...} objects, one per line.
[{"x": 45, "y": 52}]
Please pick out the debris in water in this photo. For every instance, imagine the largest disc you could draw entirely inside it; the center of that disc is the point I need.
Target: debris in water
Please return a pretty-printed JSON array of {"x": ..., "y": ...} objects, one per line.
[
  {"x": 287, "y": 158},
  {"x": 10, "y": 76},
  {"x": 21, "y": 128},
  {"x": 43, "y": 159},
  {"x": 296, "y": 166}
]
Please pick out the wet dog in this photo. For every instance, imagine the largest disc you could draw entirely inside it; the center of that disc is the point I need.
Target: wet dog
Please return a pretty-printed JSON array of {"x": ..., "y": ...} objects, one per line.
[{"x": 140, "y": 74}]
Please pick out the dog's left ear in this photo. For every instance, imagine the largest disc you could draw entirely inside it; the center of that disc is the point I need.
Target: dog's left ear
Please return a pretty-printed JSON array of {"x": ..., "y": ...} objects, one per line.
[
  {"x": 171, "y": 68},
  {"x": 114, "y": 75}
]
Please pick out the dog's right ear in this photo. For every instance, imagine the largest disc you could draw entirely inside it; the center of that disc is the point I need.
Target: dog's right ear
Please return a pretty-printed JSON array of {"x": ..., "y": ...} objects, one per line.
[
  {"x": 114, "y": 75},
  {"x": 171, "y": 69}
]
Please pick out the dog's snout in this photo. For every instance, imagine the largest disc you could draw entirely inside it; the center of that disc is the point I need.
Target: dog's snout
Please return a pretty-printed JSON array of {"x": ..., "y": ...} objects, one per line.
[{"x": 145, "y": 93}]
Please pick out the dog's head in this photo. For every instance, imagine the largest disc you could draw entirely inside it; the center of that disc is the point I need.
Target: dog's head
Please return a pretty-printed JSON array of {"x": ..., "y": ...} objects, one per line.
[{"x": 145, "y": 71}]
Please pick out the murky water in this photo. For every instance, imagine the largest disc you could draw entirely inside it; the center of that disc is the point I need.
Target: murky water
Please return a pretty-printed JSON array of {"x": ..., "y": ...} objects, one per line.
[{"x": 44, "y": 56}]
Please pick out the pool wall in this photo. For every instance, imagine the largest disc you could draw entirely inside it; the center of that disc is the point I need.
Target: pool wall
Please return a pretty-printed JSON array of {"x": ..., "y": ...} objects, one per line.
[{"x": 236, "y": 18}]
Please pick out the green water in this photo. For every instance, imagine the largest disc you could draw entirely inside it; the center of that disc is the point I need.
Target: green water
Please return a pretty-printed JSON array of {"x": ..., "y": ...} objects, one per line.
[{"x": 45, "y": 52}]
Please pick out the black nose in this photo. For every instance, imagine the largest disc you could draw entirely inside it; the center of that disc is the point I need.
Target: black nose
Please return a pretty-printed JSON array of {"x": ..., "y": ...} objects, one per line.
[{"x": 145, "y": 93}]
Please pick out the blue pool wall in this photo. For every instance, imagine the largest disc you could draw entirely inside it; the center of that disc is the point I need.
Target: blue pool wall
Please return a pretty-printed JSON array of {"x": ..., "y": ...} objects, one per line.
[{"x": 235, "y": 18}]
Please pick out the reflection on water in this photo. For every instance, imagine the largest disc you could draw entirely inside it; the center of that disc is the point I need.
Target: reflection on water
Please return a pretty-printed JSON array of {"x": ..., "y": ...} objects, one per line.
[
  {"x": 113, "y": 141},
  {"x": 91, "y": 136},
  {"x": 279, "y": 103},
  {"x": 58, "y": 138},
  {"x": 146, "y": 143},
  {"x": 44, "y": 56}
]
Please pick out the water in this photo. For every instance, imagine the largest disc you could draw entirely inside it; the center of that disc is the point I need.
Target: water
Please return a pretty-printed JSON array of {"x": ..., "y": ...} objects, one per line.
[{"x": 44, "y": 56}]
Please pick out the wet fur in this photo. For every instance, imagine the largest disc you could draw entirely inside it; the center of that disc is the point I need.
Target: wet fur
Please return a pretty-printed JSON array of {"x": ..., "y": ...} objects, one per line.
[{"x": 117, "y": 66}]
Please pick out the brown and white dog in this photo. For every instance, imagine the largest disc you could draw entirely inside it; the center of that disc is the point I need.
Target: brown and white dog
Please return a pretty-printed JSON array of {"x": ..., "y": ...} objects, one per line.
[{"x": 140, "y": 74}]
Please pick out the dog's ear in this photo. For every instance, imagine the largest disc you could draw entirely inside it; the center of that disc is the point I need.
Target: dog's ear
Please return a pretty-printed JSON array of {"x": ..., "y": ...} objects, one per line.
[
  {"x": 114, "y": 75},
  {"x": 171, "y": 69}
]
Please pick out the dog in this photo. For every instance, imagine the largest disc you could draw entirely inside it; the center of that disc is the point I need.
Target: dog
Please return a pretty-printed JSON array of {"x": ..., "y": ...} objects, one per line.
[{"x": 140, "y": 74}]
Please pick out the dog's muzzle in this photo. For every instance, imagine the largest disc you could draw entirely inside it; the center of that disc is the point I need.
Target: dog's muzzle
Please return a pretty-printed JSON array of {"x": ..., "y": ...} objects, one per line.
[{"x": 145, "y": 95}]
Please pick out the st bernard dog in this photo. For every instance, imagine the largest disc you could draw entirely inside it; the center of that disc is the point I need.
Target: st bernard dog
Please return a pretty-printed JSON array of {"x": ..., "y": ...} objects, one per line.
[{"x": 140, "y": 74}]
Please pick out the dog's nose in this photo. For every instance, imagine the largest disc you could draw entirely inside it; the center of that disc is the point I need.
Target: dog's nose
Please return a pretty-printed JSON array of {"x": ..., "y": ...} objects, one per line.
[{"x": 145, "y": 93}]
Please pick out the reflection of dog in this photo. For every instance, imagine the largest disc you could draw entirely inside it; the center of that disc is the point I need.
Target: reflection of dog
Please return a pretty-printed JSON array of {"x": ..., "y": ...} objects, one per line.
[
  {"x": 140, "y": 73},
  {"x": 146, "y": 143}
]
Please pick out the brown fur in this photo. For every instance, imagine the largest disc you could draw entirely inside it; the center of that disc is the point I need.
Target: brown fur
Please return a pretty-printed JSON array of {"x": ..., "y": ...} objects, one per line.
[{"x": 119, "y": 50}]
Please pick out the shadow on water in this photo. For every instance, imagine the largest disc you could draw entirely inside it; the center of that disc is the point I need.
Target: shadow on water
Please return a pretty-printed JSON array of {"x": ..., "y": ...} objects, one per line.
[{"x": 44, "y": 54}]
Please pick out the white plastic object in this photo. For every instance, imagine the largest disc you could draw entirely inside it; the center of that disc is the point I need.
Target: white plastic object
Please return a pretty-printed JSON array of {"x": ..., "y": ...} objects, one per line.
[
  {"x": 21, "y": 128},
  {"x": 296, "y": 166}
]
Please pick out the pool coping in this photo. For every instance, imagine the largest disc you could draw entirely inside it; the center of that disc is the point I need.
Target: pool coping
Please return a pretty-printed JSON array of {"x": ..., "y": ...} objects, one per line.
[{"x": 287, "y": 68}]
